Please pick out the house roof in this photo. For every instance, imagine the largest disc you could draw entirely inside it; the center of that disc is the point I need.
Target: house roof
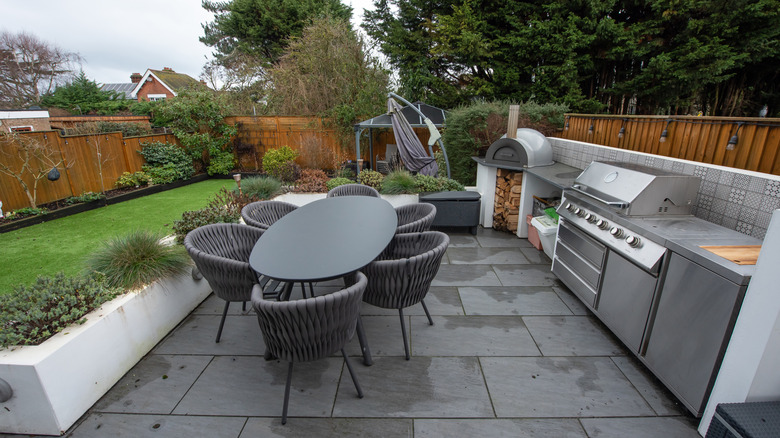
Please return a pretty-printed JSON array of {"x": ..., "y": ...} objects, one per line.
[
  {"x": 126, "y": 89},
  {"x": 168, "y": 78}
]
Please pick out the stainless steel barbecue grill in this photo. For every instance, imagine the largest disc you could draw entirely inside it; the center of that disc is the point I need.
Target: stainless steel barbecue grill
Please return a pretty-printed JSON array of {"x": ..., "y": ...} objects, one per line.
[{"x": 629, "y": 248}]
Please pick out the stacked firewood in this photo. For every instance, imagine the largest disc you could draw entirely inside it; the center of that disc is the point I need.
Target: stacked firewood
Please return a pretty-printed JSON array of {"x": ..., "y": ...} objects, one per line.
[{"x": 506, "y": 209}]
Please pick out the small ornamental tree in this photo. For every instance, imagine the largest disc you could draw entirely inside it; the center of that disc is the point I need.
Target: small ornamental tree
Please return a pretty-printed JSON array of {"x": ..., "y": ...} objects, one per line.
[{"x": 25, "y": 158}]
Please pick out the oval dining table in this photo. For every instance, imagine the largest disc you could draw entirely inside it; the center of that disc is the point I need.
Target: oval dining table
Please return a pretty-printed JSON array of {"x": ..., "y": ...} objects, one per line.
[{"x": 324, "y": 240}]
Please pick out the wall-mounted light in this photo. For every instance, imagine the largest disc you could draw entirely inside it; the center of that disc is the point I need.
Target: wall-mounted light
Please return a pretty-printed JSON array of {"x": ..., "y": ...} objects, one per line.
[
  {"x": 734, "y": 138},
  {"x": 590, "y": 130},
  {"x": 665, "y": 132},
  {"x": 622, "y": 131}
]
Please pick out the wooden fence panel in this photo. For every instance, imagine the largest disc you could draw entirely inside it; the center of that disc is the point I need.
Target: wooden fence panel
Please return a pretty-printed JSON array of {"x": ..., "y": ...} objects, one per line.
[
  {"x": 702, "y": 139},
  {"x": 82, "y": 169}
]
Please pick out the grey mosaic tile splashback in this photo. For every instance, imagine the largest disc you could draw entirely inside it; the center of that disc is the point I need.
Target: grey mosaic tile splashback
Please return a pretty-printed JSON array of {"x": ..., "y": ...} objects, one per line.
[{"x": 735, "y": 200}]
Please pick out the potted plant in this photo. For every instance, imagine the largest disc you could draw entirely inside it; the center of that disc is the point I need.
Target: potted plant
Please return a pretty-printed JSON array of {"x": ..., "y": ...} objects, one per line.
[{"x": 45, "y": 388}]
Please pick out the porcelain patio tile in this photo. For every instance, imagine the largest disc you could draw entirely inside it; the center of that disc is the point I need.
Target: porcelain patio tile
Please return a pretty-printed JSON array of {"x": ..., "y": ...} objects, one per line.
[
  {"x": 196, "y": 335},
  {"x": 572, "y": 336},
  {"x": 441, "y": 300},
  {"x": 494, "y": 256},
  {"x": 154, "y": 386},
  {"x": 466, "y": 275},
  {"x": 677, "y": 427},
  {"x": 327, "y": 428},
  {"x": 424, "y": 387},
  {"x": 159, "y": 426},
  {"x": 515, "y": 428},
  {"x": 252, "y": 386},
  {"x": 659, "y": 398},
  {"x": 514, "y": 300},
  {"x": 526, "y": 275},
  {"x": 561, "y": 387},
  {"x": 471, "y": 336}
]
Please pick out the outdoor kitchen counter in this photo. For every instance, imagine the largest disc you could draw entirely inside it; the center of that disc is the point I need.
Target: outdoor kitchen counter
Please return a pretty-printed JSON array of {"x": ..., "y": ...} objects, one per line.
[
  {"x": 557, "y": 174},
  {"x": 684, "y": 235}
]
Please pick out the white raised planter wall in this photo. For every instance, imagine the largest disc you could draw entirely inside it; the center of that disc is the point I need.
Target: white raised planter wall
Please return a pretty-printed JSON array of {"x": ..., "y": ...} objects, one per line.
[{"x": 56, "y": 382}]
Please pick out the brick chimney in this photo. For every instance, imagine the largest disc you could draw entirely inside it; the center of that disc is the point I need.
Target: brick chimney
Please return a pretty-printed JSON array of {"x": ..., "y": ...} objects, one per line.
[
  {"x": 135, "y": 78},
  {"x": 167, "y": 69}
]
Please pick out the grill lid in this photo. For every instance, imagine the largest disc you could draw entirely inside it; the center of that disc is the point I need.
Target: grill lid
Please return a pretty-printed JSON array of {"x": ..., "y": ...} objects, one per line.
[
  {"x": 638, "y": 190},
  {"x": 530, "y": 148}
]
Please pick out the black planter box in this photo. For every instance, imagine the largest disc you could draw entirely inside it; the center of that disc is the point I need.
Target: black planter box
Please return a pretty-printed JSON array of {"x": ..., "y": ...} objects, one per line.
[{"x": 455, "y": 209}]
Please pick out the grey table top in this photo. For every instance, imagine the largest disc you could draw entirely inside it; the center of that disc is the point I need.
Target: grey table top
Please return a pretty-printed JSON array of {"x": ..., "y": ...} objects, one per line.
[{"x": 325, "y": 239}]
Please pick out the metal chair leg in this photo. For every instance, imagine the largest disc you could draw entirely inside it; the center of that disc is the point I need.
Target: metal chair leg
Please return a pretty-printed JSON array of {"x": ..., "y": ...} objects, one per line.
[
  {"x": 403, "y": 332},
  {"x": 361, "y": 334},
  {"x": 222, "y": 322},
  {"x": 287, "y": 392},
  {"x": 427, "y": 313},
  {"x": 243, "y": 306},
  {"x": 352, "y": 374}
]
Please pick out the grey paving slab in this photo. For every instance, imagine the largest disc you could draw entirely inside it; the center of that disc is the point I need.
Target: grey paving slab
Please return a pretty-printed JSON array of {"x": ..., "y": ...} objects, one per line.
[
  {"x": 328, "y": 428},
  {"x": 215, "y": 306},
  {"x": 512, "y": 300},
  {"x": 536, "y": 256},
  {"x": 471, "y": 336},
  {"x": 671, "y": 427},
  {"x": 488, "y": 237},
  {"x": 252, "y": 386},
  {"x": 240, "y": 336},
  {"x": 572, "y": 336},
  {"x": 561, "y": 387},
  {"x": 498, "y": 428},
  {"x": 383, "y": 334},
  {"x": 442, "y": 300},
  {"x": 466, "y": 275},
  {"x": 461, "y": 240},
  {"x": 525, "y": 275},
  {"x": 424, "y": 387},
  {"x": 572, "y": 302},
  {"x": 158, "y": 426},
  {"x": 493, "y": 256},
  {"x": 657, "y": 396},
  {"x": 154, "y": 386}
]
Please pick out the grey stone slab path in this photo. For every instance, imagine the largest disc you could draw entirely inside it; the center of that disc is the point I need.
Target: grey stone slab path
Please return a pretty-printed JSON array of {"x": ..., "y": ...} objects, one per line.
[{"x": 512, "y": 353}]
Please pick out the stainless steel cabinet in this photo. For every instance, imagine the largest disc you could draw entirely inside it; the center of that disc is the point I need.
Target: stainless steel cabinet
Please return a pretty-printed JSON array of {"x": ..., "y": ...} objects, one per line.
[{"x": 693, "y": 323}]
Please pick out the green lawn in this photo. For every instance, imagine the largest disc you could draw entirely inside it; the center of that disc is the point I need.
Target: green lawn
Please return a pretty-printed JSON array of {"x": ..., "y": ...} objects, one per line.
[{"x": 64, "y": 244}]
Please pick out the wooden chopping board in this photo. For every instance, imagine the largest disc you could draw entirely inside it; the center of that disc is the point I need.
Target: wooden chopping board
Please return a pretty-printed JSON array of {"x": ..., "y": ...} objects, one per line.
[{"x": 739, "y": 254}]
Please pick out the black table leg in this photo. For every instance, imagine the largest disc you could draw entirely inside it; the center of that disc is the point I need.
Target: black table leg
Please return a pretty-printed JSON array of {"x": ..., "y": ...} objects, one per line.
[{"x": 367, "y": 360}]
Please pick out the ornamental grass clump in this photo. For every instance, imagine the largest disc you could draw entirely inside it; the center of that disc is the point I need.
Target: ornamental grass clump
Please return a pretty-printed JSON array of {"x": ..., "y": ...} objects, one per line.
[
  {"x": 398, "y": 182},
  {"x": 30, "y": 315},
  {"x": 261, "y": 187},
  {"x": 137, "y": 259}
]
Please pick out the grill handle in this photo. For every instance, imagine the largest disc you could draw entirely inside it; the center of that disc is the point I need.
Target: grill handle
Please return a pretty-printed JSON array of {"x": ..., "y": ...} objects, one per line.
[{"x": 619, "y": 204}]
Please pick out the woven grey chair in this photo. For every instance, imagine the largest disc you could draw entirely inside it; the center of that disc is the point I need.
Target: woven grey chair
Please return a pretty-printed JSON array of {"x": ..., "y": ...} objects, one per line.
[
  {"x": 353, "y": 190},
  {"x": 401, "y": 276},
  {"x": 263, "y": 214},
  {"x": 415, "y": 218},
  {"x": 221, "y": 254},
  {"x": 310, "y": 329}
]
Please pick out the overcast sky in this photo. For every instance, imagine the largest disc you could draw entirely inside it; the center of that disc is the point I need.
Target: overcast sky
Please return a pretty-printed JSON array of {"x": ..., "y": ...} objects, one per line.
[{"x": 120, "y": 37}]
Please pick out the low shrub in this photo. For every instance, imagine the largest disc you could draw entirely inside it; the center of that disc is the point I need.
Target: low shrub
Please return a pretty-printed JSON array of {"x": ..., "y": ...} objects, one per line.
[
  {"x": 452, "y": 185},
  {"x": 288, "y": 172},
  {"x": 260, "y": 187},
  {"x": 345, "y": 172},
  {"x": 312, "y": 181},
  {"x": 339, "y": 181},
  {"x": 371, "y": 178},
  {"x": 136, "y": 179},
  {"x": 23, "y": 212},
  {"x": 221, "y": 162},
  {"x": 83, "y": 198},
  {"x": 225, "y": 207},
  {"x": 33, "y": 314},
  {"x": 398, "y": 182},
  {"x": 166, "y": 162},
  {"x": 275, "y": 159},
  {"x": 137, "y": 259},
  {"x": 427, "y": 183}
]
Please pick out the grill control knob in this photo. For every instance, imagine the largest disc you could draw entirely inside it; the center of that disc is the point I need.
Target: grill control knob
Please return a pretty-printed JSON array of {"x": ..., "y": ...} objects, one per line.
[
  {"x": 633, "y": 241},
  {"x": 590, "y": 218},
  {"x": 617, "y": 232},
  {"x": 579, "y": 212},
  {"x": 568, "y": 206},
  {"x": 601, "y": 223}
]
